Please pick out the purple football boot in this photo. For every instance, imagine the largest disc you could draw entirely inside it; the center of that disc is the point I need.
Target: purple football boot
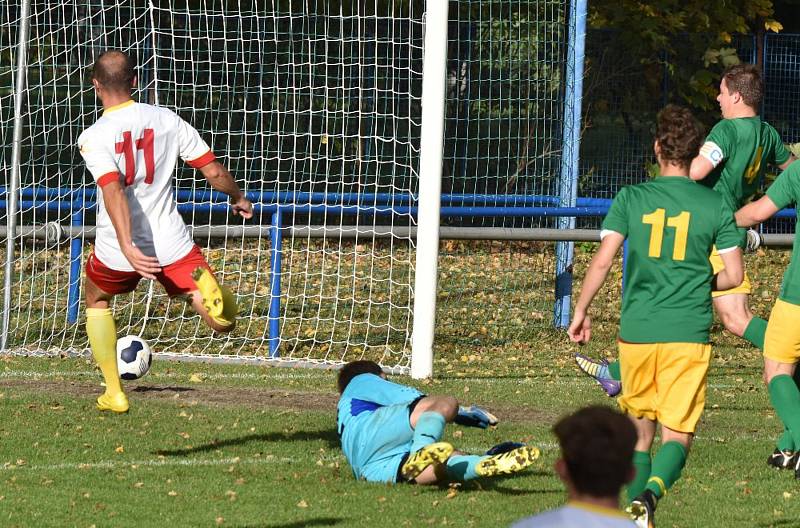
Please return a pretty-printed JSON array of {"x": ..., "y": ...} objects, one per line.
[{"x": 599, "y": 371}]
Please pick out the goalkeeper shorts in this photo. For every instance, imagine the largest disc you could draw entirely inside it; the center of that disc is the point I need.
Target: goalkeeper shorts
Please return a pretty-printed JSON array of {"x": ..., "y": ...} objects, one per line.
[{"x": 383, "y": 439}]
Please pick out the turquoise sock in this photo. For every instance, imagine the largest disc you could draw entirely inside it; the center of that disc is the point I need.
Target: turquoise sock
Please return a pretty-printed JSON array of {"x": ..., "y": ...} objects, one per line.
[
  {"x": 429, "y": 429},
  {"x": 614, "y": 371},
  {"x": 462, "y": 467},
  {"x": 755, "y": 331}
]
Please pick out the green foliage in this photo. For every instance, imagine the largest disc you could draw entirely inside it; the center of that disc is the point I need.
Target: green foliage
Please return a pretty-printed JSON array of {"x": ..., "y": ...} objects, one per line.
[{"x": 690, "y": 38}]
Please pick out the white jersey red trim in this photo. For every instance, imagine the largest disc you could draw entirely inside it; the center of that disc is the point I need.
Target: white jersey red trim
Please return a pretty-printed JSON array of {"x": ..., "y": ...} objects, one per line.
[{"x": 138, "y": 145}]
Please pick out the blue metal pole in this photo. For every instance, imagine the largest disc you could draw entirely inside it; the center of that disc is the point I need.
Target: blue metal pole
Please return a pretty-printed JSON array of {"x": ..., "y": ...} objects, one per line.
[
  {"x": 75, "y": 254},
  {"x": 568, "y": 182},
  {"x": 274, "y": 316}
]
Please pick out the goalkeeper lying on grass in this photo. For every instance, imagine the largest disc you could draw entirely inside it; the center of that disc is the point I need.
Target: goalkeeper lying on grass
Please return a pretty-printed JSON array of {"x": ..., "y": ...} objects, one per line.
[{"x": 392, "y": 433}]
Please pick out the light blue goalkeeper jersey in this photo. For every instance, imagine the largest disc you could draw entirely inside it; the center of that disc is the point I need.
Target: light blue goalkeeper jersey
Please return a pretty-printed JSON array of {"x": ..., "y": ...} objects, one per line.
[{"x": 373, "y": 424}]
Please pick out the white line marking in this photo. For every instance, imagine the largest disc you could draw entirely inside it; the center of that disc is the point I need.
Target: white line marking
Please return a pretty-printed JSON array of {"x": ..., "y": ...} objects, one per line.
[
  {"x": 306, "y": 375},
  {"x": 161, "y": 462},
  {"x": 33, "y": 374}
]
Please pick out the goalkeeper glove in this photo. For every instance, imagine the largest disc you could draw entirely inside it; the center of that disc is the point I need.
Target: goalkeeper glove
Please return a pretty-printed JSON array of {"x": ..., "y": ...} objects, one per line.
[
  {"x": 474, "y": 416},
  {"x": 754, "y": 240}
]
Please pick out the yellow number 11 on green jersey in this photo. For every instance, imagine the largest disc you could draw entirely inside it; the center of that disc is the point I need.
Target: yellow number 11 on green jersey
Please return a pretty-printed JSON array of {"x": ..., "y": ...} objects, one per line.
[{"x": 681, "y": 225}]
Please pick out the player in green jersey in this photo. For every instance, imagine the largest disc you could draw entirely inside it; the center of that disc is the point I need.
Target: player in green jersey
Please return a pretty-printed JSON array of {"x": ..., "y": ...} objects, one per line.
[
  {"x": 782, "y": 341},
  {"x": 732, "y": 161},
  {"x": 671, "y": 224}
]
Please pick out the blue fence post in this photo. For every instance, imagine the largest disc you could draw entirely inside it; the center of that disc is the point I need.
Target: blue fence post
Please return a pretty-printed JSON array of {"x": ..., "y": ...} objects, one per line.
[
  {"x": 568, "y": 181},
  {"x": 276, "y": 240},
  {"x": 75, "y": 254}
]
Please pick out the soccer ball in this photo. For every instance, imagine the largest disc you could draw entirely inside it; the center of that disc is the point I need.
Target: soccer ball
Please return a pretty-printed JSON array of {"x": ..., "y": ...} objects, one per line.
[{"x": 133, "y": 357}]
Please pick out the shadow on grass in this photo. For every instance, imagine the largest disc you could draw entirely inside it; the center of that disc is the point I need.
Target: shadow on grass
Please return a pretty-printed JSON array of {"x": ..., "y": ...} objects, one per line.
[
  {"x": 145, "y": 388},
  {"x": 322, "y": 521},
  {"x": 496, "y": 484},
  {"x": 328, "y": 435}
]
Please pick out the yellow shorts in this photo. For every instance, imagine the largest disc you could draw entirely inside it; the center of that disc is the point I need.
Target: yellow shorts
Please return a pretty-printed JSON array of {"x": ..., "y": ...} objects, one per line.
[
  {"x": 782, "y": 340},
  {"x": 665, "y": 382},
  {"x": 717, "y": 266}
]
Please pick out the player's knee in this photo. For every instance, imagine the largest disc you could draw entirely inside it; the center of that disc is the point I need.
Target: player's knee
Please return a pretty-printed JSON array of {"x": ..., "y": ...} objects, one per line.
[
  {"x": 735, "y": 321},
  {"x": 448, "y": 407},
  {"x": 670, "y": 435}
]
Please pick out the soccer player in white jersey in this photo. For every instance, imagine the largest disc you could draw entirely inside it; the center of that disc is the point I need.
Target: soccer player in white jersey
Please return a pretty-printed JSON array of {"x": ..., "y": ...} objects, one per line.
[
  {"x": 596, "y": 461},
  {"x": 131, "y": 152}
]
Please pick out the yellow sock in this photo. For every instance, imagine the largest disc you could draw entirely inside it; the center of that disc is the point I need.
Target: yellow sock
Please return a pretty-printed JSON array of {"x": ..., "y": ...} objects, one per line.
[
  {"x": 229, "y": 308},
  {"x": 102, "y": 334}
]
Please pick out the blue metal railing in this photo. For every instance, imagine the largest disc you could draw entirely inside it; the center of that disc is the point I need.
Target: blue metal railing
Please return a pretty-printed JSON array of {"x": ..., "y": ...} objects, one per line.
[{"x": 77, "y": 202}]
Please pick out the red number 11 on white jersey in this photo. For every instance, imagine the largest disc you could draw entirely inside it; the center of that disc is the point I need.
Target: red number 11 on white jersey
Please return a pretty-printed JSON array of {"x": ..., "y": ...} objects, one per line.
[{"x": 145, "y": 143}]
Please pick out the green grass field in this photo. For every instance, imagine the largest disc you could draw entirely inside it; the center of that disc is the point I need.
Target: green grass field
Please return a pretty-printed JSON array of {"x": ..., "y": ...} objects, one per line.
[{"x": 217, "y": 445}]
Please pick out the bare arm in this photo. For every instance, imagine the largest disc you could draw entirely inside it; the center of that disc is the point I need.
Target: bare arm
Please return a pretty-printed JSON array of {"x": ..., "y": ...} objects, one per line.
[
  {"x": 580, "y": 330},
  {"x": 700, "y": 168},
  {"x": 756, "y": 212},
  {"x": 117, "y": 206},
  {"x": 222, "y": 180},
  {"x": 733, "y": 273},
  {"x": 788, "y": 162}
]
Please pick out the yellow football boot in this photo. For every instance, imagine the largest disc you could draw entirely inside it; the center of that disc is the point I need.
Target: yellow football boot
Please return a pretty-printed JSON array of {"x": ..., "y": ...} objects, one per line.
[
  {"x": 436, "y": 453},
  {"x": 116, "y": 402}
]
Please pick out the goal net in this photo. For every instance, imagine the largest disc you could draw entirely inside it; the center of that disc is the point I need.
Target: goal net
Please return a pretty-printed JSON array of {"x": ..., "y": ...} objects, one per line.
[{"x": 314, "y": 107}]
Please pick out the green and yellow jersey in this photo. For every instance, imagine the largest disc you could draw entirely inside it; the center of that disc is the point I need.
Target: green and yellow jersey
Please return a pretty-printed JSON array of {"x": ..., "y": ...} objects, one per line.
[
  {"x": 786, "y": 191},
  {"x": 671, "y": 224},
  {"x": 740, "y": 150}
]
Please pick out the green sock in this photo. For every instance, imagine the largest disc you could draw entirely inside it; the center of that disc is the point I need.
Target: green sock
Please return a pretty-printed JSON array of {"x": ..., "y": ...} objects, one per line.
[
  {"x": 429, "y": 429},
  {"x": 785, "y": 398},
  {"x": 667, "y": 466},
  {"x": 462, "y": 467},
  {"x": 755, "y": 331},
  {"x": 786, "y": 442},
  {"x": 641, "y": 463},
  {"x": 614, "y": 370}
]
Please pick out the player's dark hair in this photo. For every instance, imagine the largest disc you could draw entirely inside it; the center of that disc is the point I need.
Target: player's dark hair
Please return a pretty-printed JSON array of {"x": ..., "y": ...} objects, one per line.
[
  {"x": 597, "y": 445},
  {"x": 745, "y": 79},
  {"x": 679, "y": 135},
  {"x": 115, "y": 71},
  {"x": 353, "y": 369}
]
